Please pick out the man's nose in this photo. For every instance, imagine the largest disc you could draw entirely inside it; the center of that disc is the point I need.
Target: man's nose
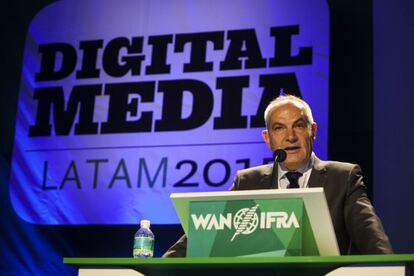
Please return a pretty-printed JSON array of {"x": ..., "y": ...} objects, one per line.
[{"x": 291, "y": 135}]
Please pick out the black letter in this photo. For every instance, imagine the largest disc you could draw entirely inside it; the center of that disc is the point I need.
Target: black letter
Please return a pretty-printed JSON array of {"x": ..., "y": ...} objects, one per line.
[
  {"x": 120, "y": 107},
  {"x": 238, "y": 39},
  {"x": 111, "y": 57},
  {"x": 231, "y": 102},
  {"x": 96, "y": 169},
  {"x": 272, "y": 85},
  {"x": 159, "y": 54},
  {"x": 198, "y": 43},
  {"x": 124, "y": 176},
  {"x": 90, "y": 54},
  {"x": 173, "y": 104},
  {"x": 283, "y": 47},
  {"x": 82, "y": 98},
  {"x": 151, "y": 182},
  {"x": 44, "y": 186},
  {"x": 49, "y": 53},
  {"x": 72, "y": 166}
]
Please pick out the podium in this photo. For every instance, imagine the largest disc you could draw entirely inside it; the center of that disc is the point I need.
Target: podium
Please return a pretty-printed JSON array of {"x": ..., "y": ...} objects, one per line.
[
  {"x": 257, "y": 223},
  {"x": 296, "y": 225},
  {"x": 398, "y": 264}
]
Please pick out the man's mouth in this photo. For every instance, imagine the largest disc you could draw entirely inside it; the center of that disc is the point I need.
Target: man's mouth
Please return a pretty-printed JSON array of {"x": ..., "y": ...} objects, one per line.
[{"x": 292, "y": 148}]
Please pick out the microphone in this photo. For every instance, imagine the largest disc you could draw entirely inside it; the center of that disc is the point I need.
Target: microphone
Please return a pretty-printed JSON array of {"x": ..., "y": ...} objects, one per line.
[{"x": 279, "y": 155}]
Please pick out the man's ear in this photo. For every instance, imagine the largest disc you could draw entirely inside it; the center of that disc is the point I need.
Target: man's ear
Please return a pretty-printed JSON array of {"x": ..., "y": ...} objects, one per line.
[
  {"x": 314, "y": 129},
  {"x": 265, "y": 136}
]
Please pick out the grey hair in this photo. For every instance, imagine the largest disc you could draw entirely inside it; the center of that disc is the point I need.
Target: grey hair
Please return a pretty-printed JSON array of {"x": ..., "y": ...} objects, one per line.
[{"x": 288, "y": 99}]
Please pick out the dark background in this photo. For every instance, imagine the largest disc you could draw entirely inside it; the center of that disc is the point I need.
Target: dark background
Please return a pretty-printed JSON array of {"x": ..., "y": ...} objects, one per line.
[{"x": 369, "y": 124}]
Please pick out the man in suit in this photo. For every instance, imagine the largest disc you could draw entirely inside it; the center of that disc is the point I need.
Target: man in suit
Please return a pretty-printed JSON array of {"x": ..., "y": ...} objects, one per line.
[{"x": 290, "y": 126}]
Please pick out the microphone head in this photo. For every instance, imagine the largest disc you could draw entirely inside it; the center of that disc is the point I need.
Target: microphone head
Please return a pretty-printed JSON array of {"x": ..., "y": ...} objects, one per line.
[{"x": 279, "y": 155}]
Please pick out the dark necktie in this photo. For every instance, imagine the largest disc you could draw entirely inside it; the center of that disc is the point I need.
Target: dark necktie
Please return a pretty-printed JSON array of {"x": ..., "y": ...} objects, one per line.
[{"x": 293, "y": 178}]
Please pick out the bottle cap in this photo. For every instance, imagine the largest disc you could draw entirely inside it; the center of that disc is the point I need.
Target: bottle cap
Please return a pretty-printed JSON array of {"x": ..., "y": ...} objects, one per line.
[{"x": 145, "y": 223}]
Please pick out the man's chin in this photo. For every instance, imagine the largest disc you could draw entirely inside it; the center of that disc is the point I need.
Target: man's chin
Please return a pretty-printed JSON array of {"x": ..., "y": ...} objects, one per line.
[
  {"x": 291, "y": 167},
  {"x": 293, "y": 163}
]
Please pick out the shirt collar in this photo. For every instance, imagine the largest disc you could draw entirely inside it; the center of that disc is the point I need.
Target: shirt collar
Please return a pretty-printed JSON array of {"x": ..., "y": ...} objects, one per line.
[{"x": 282, "y": 170}]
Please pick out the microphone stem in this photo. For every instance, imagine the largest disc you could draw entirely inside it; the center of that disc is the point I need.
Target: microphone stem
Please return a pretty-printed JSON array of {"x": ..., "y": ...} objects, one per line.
[{"x": 274, "y": 180}]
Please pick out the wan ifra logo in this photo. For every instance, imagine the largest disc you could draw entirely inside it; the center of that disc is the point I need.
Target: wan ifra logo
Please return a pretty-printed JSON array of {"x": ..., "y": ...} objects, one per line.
[{"x": 245, "y": 221}]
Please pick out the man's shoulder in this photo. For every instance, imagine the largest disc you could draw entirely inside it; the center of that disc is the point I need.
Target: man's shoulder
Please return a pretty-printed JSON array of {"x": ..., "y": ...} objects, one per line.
[
  {"x": 262, "y": 169},
  {"x": 258, "y": 177},
  {"x": 338, "y": 166},
  {"x": 328, "y": 165}
]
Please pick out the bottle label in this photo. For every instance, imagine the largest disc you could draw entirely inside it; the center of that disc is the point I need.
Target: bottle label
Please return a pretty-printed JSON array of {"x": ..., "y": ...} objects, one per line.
[{"x": 143, "y": 246}]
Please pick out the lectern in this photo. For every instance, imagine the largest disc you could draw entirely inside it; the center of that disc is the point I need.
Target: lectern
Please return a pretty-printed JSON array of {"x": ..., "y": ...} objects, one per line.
[
  {"x": 257, "y": 223},
  {"x": 258, "y": 232}
]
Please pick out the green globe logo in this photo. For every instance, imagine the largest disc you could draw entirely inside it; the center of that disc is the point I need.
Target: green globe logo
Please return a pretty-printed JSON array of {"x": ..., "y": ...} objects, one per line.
[{"x": 245, "y": 221}]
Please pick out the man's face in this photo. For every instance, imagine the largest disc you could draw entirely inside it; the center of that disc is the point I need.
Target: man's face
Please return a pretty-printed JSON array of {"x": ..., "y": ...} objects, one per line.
[{"x": 289, "y": 129}]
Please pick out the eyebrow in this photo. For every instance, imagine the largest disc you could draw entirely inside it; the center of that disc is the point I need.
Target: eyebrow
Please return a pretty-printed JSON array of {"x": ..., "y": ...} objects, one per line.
[{"x": 301, "y": 119}]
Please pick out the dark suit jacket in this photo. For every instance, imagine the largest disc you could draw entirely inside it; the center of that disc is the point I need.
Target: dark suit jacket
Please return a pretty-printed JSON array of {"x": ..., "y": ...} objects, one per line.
[{"x": 358, "y": 229}]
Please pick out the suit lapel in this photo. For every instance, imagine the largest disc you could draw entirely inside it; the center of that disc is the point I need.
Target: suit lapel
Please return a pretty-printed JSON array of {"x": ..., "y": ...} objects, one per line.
[
  {"x": 318, "y": 175},
  {"x": 266, "y": 180}
]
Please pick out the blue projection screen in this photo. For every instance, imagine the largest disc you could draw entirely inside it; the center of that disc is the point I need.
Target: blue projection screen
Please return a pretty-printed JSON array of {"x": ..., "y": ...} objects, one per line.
[{"x": 122, "y": 103}]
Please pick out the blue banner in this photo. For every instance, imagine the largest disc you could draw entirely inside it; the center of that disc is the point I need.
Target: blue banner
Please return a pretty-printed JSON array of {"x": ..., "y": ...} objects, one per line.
[{"x": 123, "y": 102}]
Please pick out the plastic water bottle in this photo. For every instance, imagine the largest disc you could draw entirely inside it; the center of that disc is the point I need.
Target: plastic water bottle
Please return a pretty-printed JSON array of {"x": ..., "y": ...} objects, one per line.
[{"x": 143, "y": 241}]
